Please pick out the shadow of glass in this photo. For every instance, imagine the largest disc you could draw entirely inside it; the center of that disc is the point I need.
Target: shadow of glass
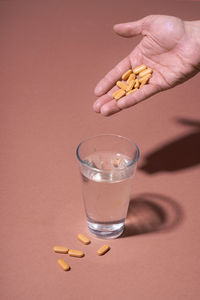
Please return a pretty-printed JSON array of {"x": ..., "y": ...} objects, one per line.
[
  {"x": 150, "y": 213},
  {"x": 177, "y": 154}
]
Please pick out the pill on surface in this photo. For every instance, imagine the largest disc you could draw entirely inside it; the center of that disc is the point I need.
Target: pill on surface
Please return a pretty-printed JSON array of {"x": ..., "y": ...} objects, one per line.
[
  {"x": 136, "y": 85},
  {"x": 131, "y": 77},
  {"x": 75, "y": 253},
  {"x": 131, "y": 85},
  {"x": 145, "y": 72},
  {"x": 148, "y": 76},
  {"x": 122, "y": 85},
  {"x": 126, "y": 75},
  {"x": 139, "y": 69},
  {"x": 103, "y": 250},
  {"x": 63, "y": 264},
  {"x": 59, "y": 249},
  {"x": 83, "y": 239},
  {"x": 117, "y": 95}
]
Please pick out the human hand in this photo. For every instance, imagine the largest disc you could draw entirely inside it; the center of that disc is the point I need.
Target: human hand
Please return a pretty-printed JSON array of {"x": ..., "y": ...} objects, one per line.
[{"x": 170, "y": 47}]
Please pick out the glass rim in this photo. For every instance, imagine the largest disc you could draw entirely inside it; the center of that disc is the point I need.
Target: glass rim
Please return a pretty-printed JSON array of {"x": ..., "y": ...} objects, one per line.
[{"x": 113, "y": 135}]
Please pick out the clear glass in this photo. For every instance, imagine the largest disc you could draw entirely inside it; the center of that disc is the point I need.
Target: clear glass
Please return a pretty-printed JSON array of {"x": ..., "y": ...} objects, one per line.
[{"x": 107, "y": 165}]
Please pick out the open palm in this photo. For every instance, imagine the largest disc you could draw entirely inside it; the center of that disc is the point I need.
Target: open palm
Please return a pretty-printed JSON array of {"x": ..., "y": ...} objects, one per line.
[{"x": 169, "y": 47}]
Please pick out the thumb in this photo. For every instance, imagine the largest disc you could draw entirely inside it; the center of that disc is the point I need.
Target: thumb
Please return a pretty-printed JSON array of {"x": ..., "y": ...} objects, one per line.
[{"x": 131, "y": 29}]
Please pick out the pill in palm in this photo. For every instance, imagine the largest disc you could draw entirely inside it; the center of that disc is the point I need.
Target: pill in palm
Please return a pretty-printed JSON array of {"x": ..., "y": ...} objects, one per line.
[
  {"x": 145, "y": 72},
  {"x": 133, "y": 80},
  {"x": 118, "y": 94},
  {"x": 122, "y": 85},
  {"x": 130, "y": 85},
  {"x": 144, "y": 82},
  {"x": 132, "y": 91},
  {"x": 131, "y": 77},
  {"x": 139, "y": 69},
  {"x": 148, "y": 76},
  {"x": 137, "y": 84},
  {"x": 126, "y": 75}
]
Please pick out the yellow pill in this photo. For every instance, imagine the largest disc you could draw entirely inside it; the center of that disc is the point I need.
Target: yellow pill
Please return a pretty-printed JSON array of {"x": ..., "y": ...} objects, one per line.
[
  {"x": 128, "y": 93},
  {"x": 131, "y": 77},
  {"x": 145, "y": 72},
  {"x": 148, "y": 76},
  {"x": 126, "y": 75},
  {"x": 59, "y": 249},
  {"x": 139, "y": 69},
  {"x": 117, "y": 95},
  {"x": 83, "y": 239},
  {"x": 144, "y": 82},
  {"x": 103, "y": 250},
  {"x": 63, "y": 265},
  {"x": 116, "y": 162},
  {"x": 137, "y": 84},
  {"x": 122, "y": 85},
  {"x": 75, "y": 253},
  {"x": 131, "y": 85},
  {"x": 132, "y": 91}
]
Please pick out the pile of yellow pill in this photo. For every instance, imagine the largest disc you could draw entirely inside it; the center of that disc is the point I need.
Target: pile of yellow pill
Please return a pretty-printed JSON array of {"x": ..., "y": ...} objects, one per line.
[
  {"x": 77, "y": 253},
  {"x": 132, "y": 80}
]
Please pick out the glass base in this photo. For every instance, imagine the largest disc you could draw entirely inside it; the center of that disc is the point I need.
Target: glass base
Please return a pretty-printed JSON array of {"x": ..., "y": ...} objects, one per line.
[{"x": 106, "y": 230}]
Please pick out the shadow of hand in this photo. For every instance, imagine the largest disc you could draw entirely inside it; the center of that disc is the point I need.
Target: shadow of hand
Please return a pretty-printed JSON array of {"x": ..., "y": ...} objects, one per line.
[{"x": 177, "y": 154}]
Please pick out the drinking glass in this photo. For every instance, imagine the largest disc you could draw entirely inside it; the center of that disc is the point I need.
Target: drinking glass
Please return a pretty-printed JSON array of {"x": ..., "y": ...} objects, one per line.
[{"x": 107, "y": 165}]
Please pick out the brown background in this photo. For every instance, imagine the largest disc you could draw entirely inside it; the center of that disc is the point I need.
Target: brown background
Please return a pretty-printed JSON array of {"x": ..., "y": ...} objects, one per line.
[{"x": 52, "y": 55}]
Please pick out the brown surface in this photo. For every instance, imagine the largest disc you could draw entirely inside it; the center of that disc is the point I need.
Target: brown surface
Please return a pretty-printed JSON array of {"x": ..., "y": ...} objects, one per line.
[{"x": 52, "y": 55}]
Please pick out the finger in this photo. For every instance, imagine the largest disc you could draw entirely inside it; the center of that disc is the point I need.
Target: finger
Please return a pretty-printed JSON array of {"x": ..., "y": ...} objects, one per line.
[
  {"x": 106, "y": 105},
  {"x": 100, "y": 102},
  {"x": 104, "y": 99},
  {"x": 111, "y": 77},
  {"x": 131, "y": 29},
  {"x": 110, "y": 108},
  {"x": 145, "y": 92}
]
